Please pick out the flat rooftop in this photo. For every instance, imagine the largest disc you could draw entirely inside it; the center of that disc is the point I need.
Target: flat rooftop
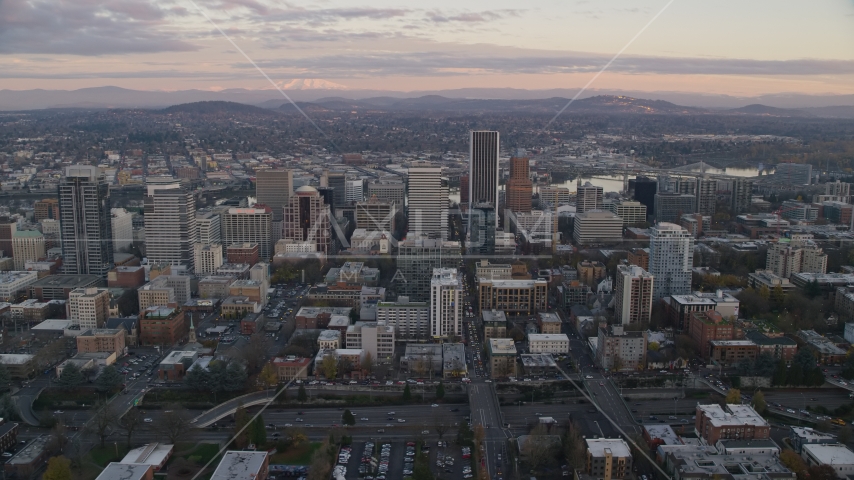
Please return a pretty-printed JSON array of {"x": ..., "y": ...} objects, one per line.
[
  {"x": 150, "y": 454},
  {"x": 124, "y": 471},
  {"x": 736, "y": 415},
  {"x": 31, "y": 451},
  {"x": 538, "y": 360},
  {"x": 502, "y": 346},
  {"x": 618, "y": 447},
  {"x": 240, "y": 465},
  {"x": 67, "y": 281},
  {"x": 547, "y": 337},
  {"x": 830, "y": 453}
]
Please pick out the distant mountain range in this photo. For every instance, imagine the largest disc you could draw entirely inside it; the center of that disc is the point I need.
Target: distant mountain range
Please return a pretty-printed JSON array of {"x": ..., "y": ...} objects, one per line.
[{"x": 316, "y": 94}]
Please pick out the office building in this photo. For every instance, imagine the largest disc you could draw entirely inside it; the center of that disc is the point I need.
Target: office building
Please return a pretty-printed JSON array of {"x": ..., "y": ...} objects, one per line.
[
  {"x": 590, "y": 272},
  {"x": 589, "y": 197},
  {"x": 243, "y": 253},
  {"x": 519, "y": 187},
  {"x": 707, "y": 190},
  {"x": 639, "y": 257},
  {"x": 428, "y": 202},
  {"x": 446, "y": 303},
  {"x": 679, "y": 308},
  {"x": 597, "y": 226},
  {"x": 84, "y": 212},
  {"x": 738, "y": 422},
  {"x": 7, "y": 230},
  {"x": 633, "y": 295},
  {"x": 620, "y": 350},
  {"x": 164, "y": 290},
  {"x": 535, "y": 227},
  {"x": 483, "y": 168},
  {"x": 671, "y": 257},
  {"x": 207, "y": 258},
  {"x": 353, "y": 191},
  {"x": 608, "y": 458},
  {"x": 551, "y": 197},
  {"x": 122, "y": 225},
  {"x": 502, "y": 357},
  {"x": 111, "y": 340},
  {"x": 410, "y": 320},
  {"x": 47, "y": 208},
  {"x": 210, "y": 229},
  {"x": 670, "y": 206},
  {"x": 416, "y": 259},
  {"x": 553, "y": 343},
  {"x": 307, "y": 220},
  {"x": 27, "y": 245},
  {"x": 376, "y": 216},
  {"x": 372, "y": 338},
  {"x": 482, "y": 226},
  {"x": 161, "y": 325},
  {"x": 274, "y": 188},
  {"x": 645, "y": 189},
  {"x": 170, "y": 223},
  {"x": 740, "y": 198},
  {"x": 248, "y": 225},
  {"x": 389, "y": 191},
  {"x": 89, "y": 307},
  {"x": 793, "y": 173},
  {"x": 337, "y": 181},
  {"x": 513, "y": 296},
  {"x": 632, "y": 213}
]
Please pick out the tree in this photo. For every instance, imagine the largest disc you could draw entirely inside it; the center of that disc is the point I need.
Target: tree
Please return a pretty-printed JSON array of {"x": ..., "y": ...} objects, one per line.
[
  {"x": 793, "y": 462},
  {"x": 765, "y": 365},
  {"x": 109, "y": 379},
  {"x": 128, "y": 303},
  {"x": 744, "y": 367},
  {"x": 71, "y": 376},
  {"x": 573, "y": 445},
  {"x": 539, "y": 448},
  {"x": 235, "y": 377},
  {"x": 130, "y": 423},
  {"x": 440, "y": 426},
  {"x": 368, "y": 363},
  {"x": 780, "y": 373},
  {"x": 407, "y": 393},
  {"x": 58, "y": 468},
  {"x": 465, "y": 436},
  {"x": 440, "y": 390},
  {"x": 733, "y": 396},
  {"x": 255, "y": 353},
  {"x": 102, "y": 421},
  {"x": 268, "y": 376},
  {"x": 329, "y": 367},
  {"x": 301, "y": 394},
  {"x": 759, "y": 403},
  {"x": 175, "y": 424},
  {"x": 654, "y": 346},
  {"x": 347, "y": 418},
  {"x": 241, "y": 435},
  {"x": 822, "y": 472},
  {"x": 258, "y": 434},
  {"x": 795, "y": 375},
  {"x": 198, "y": 378},
  {"x": 59, "y": 437},
  {"x": 8, "y": 409},
  {"x": 5, "y": 378}
]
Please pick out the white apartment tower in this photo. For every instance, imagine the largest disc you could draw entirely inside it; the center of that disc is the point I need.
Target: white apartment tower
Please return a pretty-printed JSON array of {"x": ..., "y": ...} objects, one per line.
[
  {"x": 633, "y": 299},
  {"x": 89, "y": 307},
  {"x": 589, "y": 197},
  {"x": 248, "y": 225},
  {"x": 353, "y": 191},
  {"x": 207, "y": 258},
  {"x": 27, "y": 245},
  {"x": 428, "y": 202},
  {"x": 122, "y": 223},
  {"x": 210, "y": 229},
  {"x": 446, "y": 303},
  {"x": 170, "y": 222},
  {"x": 798, "y": 254},
  {"x": 671, "y": 257}
]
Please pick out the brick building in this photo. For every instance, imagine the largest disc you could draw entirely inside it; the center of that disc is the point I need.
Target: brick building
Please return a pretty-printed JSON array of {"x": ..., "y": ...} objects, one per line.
[
  {"x": 162, "y": 325},
  {"x": 739, "y": 422},
  {"x": 102, "y": 340}
]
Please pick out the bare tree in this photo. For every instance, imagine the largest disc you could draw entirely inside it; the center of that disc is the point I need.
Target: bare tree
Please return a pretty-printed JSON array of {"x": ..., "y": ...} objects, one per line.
[
  {"x": 174, "y": 424},
  {"x": 255, "y": 353},
  {"x": 59, "y": 437},
  {"x": 102, "y": 421},
  {"x": 539, "y": 448},
  {"x": 440, "y": 426},
  {"x": 130, "y": 423}
]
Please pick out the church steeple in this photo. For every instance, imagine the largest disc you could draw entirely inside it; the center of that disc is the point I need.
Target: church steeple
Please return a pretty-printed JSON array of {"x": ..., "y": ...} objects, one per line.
[{"x": 192, "y": 335}]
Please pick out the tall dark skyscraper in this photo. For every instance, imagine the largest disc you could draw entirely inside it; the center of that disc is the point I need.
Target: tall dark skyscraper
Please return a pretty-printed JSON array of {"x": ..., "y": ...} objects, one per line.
[
  {"x": 85, "y": 226},
  {"x": 645, "y": 190},
  {"x": 483, "y": 168}
]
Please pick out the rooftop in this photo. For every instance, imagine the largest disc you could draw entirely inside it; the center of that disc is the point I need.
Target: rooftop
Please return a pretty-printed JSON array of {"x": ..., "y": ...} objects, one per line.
[
  {"x": 67, "y": 281},
  {"x": 830, "y": 453},
  {"x": 124, "y": 471},
  {"x": 15, "y": 358},
  {"x": 502, "y": 346},
  {"x": 733, "y": 415},
  {"x": 618, "y": 447},
  {"x": 549, "y": 317},
  {"x": 538, "y": 360},
  {"x": 731, "y": 343},
  {"x": 494, "y": 316},
  {"x": 150, "y": 454},
  {"x": 662, "y": 432},
  {"x": 31, "y": 451},
  {"x": 810, "y": 435},
  {"x": 240, "y": 465},
  {"x": 53, "y": 324},
  {"x": 547, "y": 337}
]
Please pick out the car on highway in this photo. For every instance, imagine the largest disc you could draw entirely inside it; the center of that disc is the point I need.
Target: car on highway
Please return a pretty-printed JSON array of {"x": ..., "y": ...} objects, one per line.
[
  {"x": 364, "y": 419},
  {"x": 148, "y": 420},
  {"x": 400, "y": 420},
  {"x": 434, "y": 405},
  {"x": 589, "y": 377}
]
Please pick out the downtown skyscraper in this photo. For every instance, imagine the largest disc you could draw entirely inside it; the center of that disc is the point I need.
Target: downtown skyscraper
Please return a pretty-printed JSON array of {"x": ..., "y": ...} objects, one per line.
[
  {"x": 85, "y": 221},
  {"x": 170, "y": 223},
  {"x": 428, "y": 202},
  {"x": 483, "y": 168},
  {"x": 671, "y": 257}
]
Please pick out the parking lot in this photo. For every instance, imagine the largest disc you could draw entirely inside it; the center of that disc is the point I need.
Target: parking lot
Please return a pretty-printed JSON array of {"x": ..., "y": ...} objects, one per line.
[{"x": 381, "y": 459}]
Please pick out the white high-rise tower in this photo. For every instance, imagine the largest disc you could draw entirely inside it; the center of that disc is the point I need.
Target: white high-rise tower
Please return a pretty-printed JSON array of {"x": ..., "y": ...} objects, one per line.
[
  {"x": 428, "y": 202},
  {"x": 671, "y": 257}
]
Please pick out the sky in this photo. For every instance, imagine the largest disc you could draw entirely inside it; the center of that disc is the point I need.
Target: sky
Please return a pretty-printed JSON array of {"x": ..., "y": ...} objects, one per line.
[{"x": 733, "y": 47}]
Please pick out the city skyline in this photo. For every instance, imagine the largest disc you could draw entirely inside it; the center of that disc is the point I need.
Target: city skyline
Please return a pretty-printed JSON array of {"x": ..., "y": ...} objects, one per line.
[{"x": 727, "y": 48}]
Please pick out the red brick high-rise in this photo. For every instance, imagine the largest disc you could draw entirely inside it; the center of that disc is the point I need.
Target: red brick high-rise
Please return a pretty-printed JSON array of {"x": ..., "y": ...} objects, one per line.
[{"x": 519, "y": 186}]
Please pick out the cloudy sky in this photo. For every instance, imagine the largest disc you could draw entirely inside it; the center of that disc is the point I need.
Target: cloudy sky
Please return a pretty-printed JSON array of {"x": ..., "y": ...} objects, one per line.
[{"x": 739, "y": 47}]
